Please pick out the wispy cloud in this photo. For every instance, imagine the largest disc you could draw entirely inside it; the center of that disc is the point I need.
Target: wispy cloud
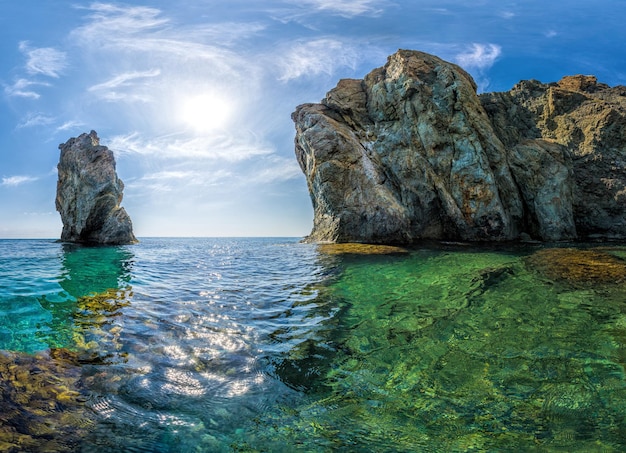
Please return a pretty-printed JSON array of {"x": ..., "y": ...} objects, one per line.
[
  {"x": 344, "y": 8},
  {"x": 477, "y": 60},
  {"x": 140, "y": 37},
  {"x": 146, "y": 35},
  {"x": 124, "y": 79},
  {"x": 479, "y": 56},
  {"x": 122, "y": 86},
  {"x": 172, "y": 180},
  {"x": 109, "y": 22},
  {"x": 13, "y": 181},
  {"x": 274, "y": 169},
  {"x": 69, "y": 125},
  {"x": 46, "y": 61},
  {"x": 23, "y": 88},
  {"x": 310, "y": 58},
  {"x": 224, "y": 147},
  {"x": 36, "y": 119}
]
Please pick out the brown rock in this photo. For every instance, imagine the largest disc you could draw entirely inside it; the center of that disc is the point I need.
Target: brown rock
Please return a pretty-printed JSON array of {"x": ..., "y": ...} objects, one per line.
[
  {"x": 405, "y": 154},
  {"x": 89, "y": 194},
  {"x": 411, "y": 152},
  {"x": 587, "y": 119},
  {"x": 579, "y": 267}
]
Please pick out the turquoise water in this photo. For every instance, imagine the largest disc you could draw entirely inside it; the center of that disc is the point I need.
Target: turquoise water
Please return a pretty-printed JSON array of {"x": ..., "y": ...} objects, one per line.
[{"x": 181, "y": 345}]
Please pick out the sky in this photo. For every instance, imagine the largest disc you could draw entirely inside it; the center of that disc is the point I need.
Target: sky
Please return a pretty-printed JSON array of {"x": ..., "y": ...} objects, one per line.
[{"x": 194, "y": 97}]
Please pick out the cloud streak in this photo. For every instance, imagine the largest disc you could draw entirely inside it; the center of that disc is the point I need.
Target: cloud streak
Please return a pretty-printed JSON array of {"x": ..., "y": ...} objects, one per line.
[
  {"x": 311, "y": 58},
  {"x": 344, "y": 8},
  {"x": 22, "y": 88},
  {"x": 36, "y": 119},
  {"x": 478, "y": 59},
  {"x": 223, "y": 147},
  {"x": 479, "y": 56},
  {"x": 120, "y": 87},
  {"x": 45, "y": 61},
  {"x": 14, "y": 181}
]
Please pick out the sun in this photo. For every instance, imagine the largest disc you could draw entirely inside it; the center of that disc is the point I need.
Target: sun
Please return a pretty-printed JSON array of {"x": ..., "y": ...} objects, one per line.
[{"x": 205, "y": 112}]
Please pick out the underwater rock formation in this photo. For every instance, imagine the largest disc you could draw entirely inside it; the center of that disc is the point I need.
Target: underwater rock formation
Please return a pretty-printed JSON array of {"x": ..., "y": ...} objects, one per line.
[
  {"x": 412, "y": 152},
  {"x": 347, "y": 248},
  {"x": 43, "y": 405},
  {"x": 89, "y": 194},
  {"x": 579, "y": 267}
]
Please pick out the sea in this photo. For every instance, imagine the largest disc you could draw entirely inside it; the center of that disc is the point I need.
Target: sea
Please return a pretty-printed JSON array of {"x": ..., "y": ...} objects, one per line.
[{"x": 273, "y": 345}]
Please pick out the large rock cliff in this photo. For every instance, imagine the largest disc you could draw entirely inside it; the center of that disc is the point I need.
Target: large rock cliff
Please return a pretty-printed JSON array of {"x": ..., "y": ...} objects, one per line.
[
  {"x": 412, "y": 152},
  {"x": 89, "y": 194}
]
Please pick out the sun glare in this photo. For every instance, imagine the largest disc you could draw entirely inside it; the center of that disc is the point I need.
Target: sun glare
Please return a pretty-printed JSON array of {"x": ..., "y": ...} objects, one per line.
[{"x": 205, "y": 112}]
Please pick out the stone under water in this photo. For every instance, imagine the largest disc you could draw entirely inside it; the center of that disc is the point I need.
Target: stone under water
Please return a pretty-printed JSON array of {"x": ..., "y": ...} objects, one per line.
[{"x": 89, "y": 194}]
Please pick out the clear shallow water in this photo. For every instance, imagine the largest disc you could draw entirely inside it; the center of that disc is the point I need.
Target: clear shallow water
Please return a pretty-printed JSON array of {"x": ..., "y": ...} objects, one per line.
[{"x": 271, "y": 345}]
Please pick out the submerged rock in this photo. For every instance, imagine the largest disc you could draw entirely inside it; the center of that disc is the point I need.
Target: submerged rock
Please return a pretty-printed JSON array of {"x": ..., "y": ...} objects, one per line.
[
  {"x": 89, "y": 194},
  {"x": 43, "y": 404},
  {"x": 412, "y": 152},
  {"x": 579, "y": 267},
  {"x": 360, "y": 249}
]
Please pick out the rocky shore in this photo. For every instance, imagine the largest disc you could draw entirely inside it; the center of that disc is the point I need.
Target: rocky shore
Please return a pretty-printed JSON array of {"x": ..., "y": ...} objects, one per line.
[{"x": 412, "y": 152}]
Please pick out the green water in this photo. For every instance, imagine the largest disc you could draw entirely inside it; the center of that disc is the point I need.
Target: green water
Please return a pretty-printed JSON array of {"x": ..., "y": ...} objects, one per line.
[
  {"x": 462, "y": 351},
  {"x": 268, "y": 345}
]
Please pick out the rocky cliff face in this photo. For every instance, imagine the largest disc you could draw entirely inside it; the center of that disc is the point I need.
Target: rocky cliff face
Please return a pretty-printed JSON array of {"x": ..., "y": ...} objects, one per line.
[
  {"x": 412, "y": 152},
  {"x": 89, "y": 194},
  {"x": 587, "y": 121}
]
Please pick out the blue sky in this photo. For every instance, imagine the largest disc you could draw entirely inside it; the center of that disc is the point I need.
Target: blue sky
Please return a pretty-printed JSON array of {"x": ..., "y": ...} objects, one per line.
[{"x": 195, "y": 96}]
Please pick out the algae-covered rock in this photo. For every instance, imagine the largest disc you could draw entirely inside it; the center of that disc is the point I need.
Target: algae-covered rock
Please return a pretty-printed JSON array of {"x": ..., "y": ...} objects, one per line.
[
  {"x": 579, "y": 266},
  {"x": 42, "y": 402},
  {"x": 359, "y": 249},
  {"x": 98, "y": 334}
]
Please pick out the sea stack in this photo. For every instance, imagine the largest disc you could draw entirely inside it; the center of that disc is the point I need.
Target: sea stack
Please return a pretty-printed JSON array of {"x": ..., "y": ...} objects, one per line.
[
  {"x": 89, "y": 194},
  {"x": 412, "y": 152}
]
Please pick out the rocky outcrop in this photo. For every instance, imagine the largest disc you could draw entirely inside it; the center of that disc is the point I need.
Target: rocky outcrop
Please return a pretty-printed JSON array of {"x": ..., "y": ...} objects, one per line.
[
  {"x": 89, "y": 194},
  {"x": 587, "y": 120},
  {"x": 412, "y": 152}
]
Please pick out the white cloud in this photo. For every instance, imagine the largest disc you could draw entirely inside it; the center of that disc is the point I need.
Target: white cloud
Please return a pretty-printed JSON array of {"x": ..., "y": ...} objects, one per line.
[
  {"x": 22, "y": 88},
  {"x": 124, "y": 79},
  {"x": 36, "y": 119},
  {"x": 142, "y": 34},
  {"x": 124, "y": 87},
  {"x": 345, "y": 8},
  {"x": 274, "y": 169},
  {"x": 218, "y": 146},
  {"x": 13, "y": 181},
  {"x": 69, "y": 125},
  {"x": 551, "y": 34},
  {"x": 44, "y": 60},
  {"x": 478, "y": 59},
  {"x": 479, "y": 56},
  {"x": 173, "y": 180},
  {"x": 109, "y": 22},
  {"x": 320, "y": 56}
]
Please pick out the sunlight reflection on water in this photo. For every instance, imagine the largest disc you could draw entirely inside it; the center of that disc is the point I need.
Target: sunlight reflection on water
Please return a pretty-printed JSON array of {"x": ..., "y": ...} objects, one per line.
[{"x": 270, "y": 345}]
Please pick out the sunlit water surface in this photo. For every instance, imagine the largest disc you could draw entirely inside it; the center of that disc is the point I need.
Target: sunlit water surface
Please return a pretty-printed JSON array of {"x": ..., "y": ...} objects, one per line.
[{"x": 219, "y": 345}]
